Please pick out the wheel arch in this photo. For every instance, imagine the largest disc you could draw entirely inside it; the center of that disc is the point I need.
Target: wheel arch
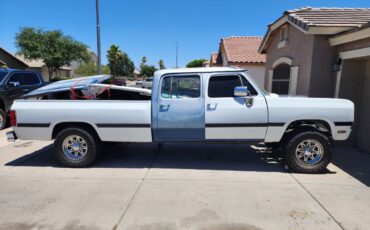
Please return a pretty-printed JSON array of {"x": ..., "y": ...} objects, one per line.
[{"x": 63, "y": 125}]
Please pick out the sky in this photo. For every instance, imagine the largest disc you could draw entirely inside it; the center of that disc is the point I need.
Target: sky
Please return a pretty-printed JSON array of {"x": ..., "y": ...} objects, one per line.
[{"x": 151, "y": 28}]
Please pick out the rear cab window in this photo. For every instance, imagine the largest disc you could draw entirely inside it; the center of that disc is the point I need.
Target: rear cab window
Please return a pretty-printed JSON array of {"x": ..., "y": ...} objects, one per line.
[
  {"x": 178, "y": 87},
  {"x": 223, "y": 85}
]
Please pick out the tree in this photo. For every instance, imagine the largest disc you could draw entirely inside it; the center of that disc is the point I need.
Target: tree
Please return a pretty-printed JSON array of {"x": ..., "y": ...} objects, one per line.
[
  {"x": 91, "y": 68},
  {"x": 161, "y": 64},
  {"x": 148, "y": 70},
  {"x": 143, "y": 61},
  {"x": 196, "y": 63},
  {"x": 119, "y": 62},
  {"x": 53, "y": 47}
]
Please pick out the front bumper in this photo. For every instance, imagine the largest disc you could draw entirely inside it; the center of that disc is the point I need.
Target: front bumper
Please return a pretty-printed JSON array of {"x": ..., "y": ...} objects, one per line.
[{"x": 10, "y": 136}]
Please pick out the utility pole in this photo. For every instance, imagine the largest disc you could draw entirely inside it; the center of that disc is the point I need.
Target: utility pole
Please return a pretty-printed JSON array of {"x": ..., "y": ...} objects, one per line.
[
  {"x": 98, "y": 36},
  {"x": 177, "y": 51}
]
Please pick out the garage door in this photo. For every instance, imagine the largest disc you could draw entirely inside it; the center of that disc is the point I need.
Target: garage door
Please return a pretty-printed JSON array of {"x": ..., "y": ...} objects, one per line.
[{"x": 363, "y": 131}]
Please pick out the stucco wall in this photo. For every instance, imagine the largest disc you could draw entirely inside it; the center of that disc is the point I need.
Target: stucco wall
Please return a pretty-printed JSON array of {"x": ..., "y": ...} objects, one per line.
[
  {"x": 322, "y": 75},
  {"x": 299, "y": 48}
]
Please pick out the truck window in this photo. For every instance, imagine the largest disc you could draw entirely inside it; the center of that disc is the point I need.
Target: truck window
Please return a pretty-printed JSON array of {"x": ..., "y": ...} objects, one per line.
[
  {"x": 30, "y": 79},
  {"x": 223, "y": 86},
  {"x": 16, "y": 77},
  {"x": 180, "y": 87}
]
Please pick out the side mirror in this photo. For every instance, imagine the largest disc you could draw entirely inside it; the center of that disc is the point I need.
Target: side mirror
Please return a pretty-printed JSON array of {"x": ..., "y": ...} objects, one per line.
[
  {"x": 242, "y": 91},
  {"x": 14, "y": 84}
]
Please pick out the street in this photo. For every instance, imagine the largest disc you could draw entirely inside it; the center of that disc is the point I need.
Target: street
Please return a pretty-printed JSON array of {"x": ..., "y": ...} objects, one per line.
[{"x": 179, "y": 186}]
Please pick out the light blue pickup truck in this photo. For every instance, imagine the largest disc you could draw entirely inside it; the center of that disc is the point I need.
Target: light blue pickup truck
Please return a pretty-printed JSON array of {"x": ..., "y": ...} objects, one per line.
[{"x": 187, "y": 105}]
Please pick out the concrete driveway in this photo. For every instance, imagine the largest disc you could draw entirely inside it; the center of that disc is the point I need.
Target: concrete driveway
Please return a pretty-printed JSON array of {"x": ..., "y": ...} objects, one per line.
[{"x": 179, "y": 186}]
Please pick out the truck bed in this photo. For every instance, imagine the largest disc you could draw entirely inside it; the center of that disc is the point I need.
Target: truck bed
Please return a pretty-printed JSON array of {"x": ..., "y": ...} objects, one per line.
[{"x": 121, "y": 121}]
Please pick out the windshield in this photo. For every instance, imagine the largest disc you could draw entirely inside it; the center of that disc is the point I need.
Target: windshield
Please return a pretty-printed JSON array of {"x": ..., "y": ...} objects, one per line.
[{"x": 2, "y": 76}]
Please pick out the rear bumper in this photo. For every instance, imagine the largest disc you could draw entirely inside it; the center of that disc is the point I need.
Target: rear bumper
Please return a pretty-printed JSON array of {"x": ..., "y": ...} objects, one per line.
[{"x": 10, "y": 136}]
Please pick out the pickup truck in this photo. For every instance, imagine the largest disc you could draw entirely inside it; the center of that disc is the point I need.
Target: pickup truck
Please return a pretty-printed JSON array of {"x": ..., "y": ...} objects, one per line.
[
  {"x": 13, "y": 84},
  {"x": 218, "y": 104}
]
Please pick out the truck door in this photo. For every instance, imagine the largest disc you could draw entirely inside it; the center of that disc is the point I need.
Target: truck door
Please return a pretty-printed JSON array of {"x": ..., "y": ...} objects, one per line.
[
  {"x": 228, "y": 117},
  {"x": 180, "y": 109}
]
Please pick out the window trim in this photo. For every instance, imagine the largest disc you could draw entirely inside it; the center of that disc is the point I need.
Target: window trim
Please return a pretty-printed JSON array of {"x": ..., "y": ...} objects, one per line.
[
  {"x": 180, "y": 75},
  {"x": 232, "y": 74}
]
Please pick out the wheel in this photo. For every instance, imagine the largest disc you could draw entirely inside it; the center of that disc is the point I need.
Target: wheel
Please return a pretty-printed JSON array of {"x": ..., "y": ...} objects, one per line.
[
  {"x": 307, "y": 152},
  {"x": 2, "y": 119},
  {"x": 76, "y": 147}
]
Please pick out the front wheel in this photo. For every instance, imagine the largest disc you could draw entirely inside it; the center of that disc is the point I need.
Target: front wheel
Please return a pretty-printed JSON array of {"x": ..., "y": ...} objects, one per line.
[
  {"x": 76, "y": 147},
  {"x": 308, "y": 152}
]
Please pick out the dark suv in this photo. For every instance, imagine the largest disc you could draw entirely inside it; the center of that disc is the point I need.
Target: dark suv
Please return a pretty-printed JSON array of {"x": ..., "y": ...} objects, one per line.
[{"x": 13, "y": 84}]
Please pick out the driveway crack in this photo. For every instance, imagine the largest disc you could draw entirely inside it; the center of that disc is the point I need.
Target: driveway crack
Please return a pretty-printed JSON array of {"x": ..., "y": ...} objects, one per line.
[
  {"x": 317, "y": 201},
  {"x": 138, "y": 188}
]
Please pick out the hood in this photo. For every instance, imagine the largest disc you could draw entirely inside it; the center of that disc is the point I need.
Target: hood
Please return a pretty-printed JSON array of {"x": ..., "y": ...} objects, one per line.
[{"x": 65, "y": 85}]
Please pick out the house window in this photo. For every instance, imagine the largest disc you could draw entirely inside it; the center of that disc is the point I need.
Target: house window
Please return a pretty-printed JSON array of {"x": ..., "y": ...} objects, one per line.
[
  {"x": 283, "y": 36},
  {"x": 281, "y": 79}
]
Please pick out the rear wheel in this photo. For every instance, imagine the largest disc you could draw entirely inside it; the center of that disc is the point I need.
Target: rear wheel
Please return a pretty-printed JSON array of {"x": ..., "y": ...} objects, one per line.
[
  {"x": 308, "y": 152},
  {"x": 2, "y": 119},
  {"x": 76, "y": 147}
]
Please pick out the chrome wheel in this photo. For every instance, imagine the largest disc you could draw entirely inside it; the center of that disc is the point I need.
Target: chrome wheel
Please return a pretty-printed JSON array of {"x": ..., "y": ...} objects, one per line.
[
  {"x": 309, "y": 152},
  {"x": 74, "y": 147}
]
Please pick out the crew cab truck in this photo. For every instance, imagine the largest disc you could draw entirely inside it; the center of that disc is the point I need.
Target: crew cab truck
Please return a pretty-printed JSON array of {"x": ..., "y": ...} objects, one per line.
[
  {"x": 190, "y": 105},
  {"x": 13, "y": 84}
]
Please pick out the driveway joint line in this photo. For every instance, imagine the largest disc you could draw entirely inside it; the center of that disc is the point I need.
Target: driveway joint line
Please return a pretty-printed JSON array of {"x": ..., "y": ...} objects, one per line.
[
  {"x": 136, "y": 191},
  {"x": 317, "y": 201}
]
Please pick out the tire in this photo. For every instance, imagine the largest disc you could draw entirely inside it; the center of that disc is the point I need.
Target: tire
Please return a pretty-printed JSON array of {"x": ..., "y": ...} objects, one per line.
[
  {"x": 83, "y": 154},
  {"x": 307, "y": 152},
  {"x": 3, "y": 119}
]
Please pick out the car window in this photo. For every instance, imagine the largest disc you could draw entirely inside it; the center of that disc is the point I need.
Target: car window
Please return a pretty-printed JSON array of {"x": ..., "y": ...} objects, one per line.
[
  {"x": 3, "y": 75},
  {"x": 223, "y": 86},
  {"x": 30, "y": 79},
  {"x": 180, "y": 87},
  {"x": 16, "y": 77}
]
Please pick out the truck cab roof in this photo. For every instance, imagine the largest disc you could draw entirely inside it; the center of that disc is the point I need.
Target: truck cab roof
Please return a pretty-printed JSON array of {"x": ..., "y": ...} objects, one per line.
[{"x": 161, "y": 72}]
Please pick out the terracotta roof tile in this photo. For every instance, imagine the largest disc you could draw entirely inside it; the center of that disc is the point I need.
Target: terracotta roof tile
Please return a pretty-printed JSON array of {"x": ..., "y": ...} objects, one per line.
[
  {"x": 243, "y": 49},
  {"x": 326, "y": 16}
]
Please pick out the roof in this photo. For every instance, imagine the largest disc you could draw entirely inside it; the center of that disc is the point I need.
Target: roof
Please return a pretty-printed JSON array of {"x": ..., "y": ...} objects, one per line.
[
  {"x": 243, "y": 49},
  {"x": 16, "y": 58},
  {"x": 161, "y": 72},
  {"x": 36, "y": 63},
  {"x": 348, "y": 17},
  {"x": 323, "y": 20}
]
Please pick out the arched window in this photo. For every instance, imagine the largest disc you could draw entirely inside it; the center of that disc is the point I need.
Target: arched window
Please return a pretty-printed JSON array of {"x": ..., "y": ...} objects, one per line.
[{"x": 281, "y": 79}]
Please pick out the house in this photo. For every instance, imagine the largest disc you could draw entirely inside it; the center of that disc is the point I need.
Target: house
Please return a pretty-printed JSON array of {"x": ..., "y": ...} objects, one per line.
[
  {"x": 39, "y": 66},
  {"x": 322, "y": 52},
  {"x": 241, "y": 51},
  {"x": 8, "y": 60}
]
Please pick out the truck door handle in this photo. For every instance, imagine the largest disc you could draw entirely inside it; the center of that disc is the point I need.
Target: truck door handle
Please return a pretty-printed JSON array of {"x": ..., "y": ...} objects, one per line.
[
  {"x": 211, "y": 106},
  {"x": 164, "y": 107}
]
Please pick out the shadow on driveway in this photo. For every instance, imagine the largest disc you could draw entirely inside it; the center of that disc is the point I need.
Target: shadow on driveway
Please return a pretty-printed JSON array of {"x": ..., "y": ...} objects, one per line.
[
  {"x": 354, "y": 162},
  {"x": 234, "y": 157}
]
